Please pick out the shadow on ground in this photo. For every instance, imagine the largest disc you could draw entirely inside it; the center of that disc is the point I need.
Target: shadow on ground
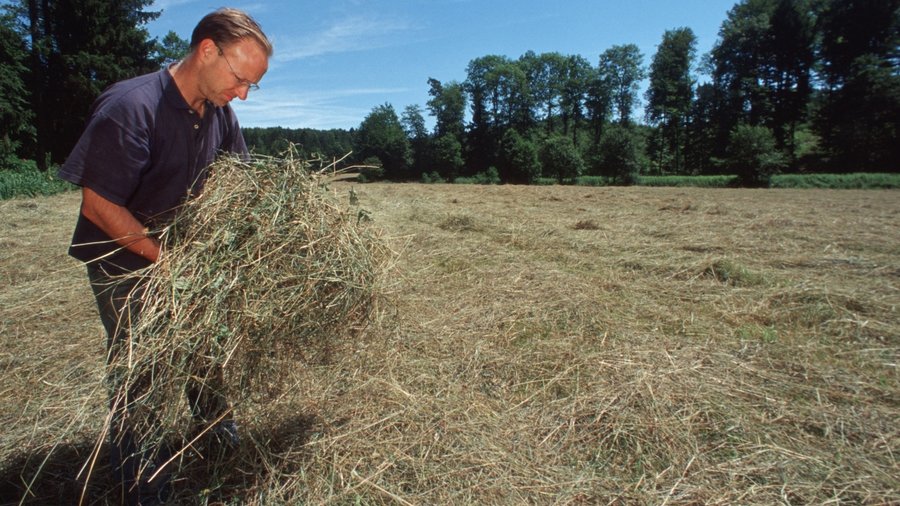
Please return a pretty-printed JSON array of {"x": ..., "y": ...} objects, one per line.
[{"x": 56, "y": 479}]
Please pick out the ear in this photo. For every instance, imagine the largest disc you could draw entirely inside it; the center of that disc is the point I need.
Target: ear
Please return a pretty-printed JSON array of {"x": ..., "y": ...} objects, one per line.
[{"x": 207, "y": 49}]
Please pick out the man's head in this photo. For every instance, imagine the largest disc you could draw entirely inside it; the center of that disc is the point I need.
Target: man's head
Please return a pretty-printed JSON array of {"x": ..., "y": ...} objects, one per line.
[
  {"x": 227, "y": 26},
  {"x": 235, "y": 54}
]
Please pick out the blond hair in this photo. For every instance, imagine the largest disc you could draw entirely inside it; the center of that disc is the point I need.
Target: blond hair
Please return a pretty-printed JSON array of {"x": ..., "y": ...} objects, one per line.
[{"x": 227, "y": 26}]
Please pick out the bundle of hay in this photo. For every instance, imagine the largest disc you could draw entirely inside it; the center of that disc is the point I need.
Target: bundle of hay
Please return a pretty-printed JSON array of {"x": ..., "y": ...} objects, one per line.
[{"x": 264, "y": 261}]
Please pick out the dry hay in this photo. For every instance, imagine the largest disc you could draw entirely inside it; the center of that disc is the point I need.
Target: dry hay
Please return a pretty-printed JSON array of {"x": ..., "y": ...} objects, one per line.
[
  {"x": 698, "y": 347},
  {"x": 262, "y": 266}
]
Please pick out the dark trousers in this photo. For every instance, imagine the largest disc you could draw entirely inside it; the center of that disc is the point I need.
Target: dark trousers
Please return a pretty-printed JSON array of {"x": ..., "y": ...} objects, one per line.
[{"x": 134, "y": 460}]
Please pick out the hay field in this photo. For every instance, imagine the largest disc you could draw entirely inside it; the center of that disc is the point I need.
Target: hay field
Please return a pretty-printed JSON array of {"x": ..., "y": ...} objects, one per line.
[{"x": 538, "y": 345}]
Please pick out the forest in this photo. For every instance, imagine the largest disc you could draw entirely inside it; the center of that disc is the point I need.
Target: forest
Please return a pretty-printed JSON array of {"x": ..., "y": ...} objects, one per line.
[{"x": 790, "y": 86}]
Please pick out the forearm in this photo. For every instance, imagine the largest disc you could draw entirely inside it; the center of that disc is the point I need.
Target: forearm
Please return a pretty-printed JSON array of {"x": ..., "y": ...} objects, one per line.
[{"x": 118, "y": 223}]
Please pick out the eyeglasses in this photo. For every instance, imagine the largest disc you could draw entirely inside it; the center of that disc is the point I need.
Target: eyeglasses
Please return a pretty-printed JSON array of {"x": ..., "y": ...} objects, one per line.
[{"x": 251, "y": 86}]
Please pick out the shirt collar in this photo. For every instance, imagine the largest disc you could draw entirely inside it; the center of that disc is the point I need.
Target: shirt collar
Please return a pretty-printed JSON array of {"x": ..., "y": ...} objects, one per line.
[{"x": 172, "y": 93}]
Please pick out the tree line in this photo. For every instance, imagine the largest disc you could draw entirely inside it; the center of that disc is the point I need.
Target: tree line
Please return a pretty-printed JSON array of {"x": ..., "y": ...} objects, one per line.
[
  {"x": 307, "y": 142},
  {"x": 789, "y": 85}
]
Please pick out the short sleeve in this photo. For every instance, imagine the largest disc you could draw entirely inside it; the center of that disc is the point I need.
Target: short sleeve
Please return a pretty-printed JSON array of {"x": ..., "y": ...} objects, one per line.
[{"x": 111, "y": 155}]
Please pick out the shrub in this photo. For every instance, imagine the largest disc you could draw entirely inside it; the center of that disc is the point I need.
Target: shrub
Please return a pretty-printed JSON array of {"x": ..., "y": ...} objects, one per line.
[
  {"x": 432, "y": 177},
  {"x": 560, "y": 159},
  {"x": 519, "y": 158},
  {"x": 592, "y": 181},
  {"x": 21, "y": 178},
  {"x": 448, "y": 158},
  {"x": 620, "y": 155},
  {"x": 490, "y": 176},
  {"x": 752, "y": 155}
]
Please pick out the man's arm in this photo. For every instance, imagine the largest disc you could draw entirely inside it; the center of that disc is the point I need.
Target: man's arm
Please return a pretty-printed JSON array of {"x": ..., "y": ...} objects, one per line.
[{"x": 118, "y": 222}]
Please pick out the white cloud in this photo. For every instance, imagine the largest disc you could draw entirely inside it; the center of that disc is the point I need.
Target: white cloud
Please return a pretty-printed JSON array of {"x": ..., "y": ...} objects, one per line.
[
  {"x": 346, "y": 35},
  {"x": 308, "y": 109}
]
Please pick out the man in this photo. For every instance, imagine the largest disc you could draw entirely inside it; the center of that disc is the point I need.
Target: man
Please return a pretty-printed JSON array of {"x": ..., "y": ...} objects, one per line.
[{"x": 146, "y": 148}]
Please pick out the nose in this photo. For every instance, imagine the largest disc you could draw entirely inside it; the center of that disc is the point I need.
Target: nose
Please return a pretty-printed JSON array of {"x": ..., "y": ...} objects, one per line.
[{"x": 243, "y": 91}]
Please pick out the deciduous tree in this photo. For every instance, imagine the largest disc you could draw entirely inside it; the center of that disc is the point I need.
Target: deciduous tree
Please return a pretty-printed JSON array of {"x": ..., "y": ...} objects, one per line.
[
  {"x": 448, "y": 106},
  {"x": 77, "y": 48},
  {"x": 559, "y": 158},
  {"x": 620, "y": 154},
  {"x": 752, "y": 155},
  {"x": 573, "y": 93},
  {"x": 670, "y": 92},
  {"x": 381, "y": 135},
  {"x": 413, "y": 123},
  {"x": 15, "y": 115},
  {"x": 622, "y": 69},
  {"x": 860, "y": 114}
]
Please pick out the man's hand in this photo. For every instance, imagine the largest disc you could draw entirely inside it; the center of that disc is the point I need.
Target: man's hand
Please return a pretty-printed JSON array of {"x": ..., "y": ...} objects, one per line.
[{"x": 118, "y": 222}]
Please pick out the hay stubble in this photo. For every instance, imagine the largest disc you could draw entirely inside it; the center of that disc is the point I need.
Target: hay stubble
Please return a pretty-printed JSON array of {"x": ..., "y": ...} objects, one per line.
[{"x": 522, "y": 358}]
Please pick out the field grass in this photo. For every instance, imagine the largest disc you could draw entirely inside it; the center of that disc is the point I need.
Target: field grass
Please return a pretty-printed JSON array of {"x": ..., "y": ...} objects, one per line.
[{"x": 538, "y": 345}]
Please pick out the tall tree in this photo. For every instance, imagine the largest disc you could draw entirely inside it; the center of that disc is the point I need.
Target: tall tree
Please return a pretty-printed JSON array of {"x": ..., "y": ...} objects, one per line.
[
  {"x": 499, "y": 91},
  {"x": 413, "y": 123},
  {"x": 622, "y": 68},
  {"x": 703, "y": 147},
  {"x": 482, "y": 90},
  {"x": 792, "y": 48},
  {"x": 78, "y": 47},
  {"x": 448, "y": 106},
  {"x": 855, "y": 28},
  {"x": 500, "y": 98},
  {"x": 598, "y": 104},
  {"x": 172, "y": 48},
  {"x": 15, "y": 115},
  {"x": 740, "y": 62},
  {"x": 762, "y": 64},
  {"x": 512, "y": 102},
  {"x": 573, "y": 93},
  {"x": 670, "y": 92},
  {"x": 543, "y": 75},
  {"x": 860, "y": 114}
]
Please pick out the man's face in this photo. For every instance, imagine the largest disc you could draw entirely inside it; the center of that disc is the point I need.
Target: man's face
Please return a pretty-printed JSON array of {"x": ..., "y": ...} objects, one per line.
[{"x": 237, "y": 68}]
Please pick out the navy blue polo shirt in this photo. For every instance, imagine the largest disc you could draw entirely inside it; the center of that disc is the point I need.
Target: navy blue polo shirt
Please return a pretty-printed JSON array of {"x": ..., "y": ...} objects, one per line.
[{"x": 145, "y": 149}]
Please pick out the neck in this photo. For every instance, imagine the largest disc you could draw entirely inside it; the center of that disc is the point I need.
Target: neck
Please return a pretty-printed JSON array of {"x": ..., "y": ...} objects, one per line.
[{"x": 186, "y": 80}]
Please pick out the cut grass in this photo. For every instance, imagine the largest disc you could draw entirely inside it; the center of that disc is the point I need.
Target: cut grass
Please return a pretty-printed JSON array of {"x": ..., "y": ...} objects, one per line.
[{"x": 525, "y": 360}]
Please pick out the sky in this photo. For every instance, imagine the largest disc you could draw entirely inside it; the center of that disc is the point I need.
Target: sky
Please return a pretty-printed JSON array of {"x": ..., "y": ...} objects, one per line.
[{"x": 335, "y": 60}]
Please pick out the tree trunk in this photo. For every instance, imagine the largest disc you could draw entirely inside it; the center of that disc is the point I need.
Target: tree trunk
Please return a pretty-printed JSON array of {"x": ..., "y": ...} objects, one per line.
[{"x": 38, "y": 76}]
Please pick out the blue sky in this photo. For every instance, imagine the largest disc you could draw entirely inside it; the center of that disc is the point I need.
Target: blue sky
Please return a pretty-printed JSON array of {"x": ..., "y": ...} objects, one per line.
[{"x": 335, "y": 60}]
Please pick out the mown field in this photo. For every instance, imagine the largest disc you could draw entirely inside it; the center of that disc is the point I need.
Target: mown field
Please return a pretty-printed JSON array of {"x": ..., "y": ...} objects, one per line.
[{"x": 535, "y": 345}]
